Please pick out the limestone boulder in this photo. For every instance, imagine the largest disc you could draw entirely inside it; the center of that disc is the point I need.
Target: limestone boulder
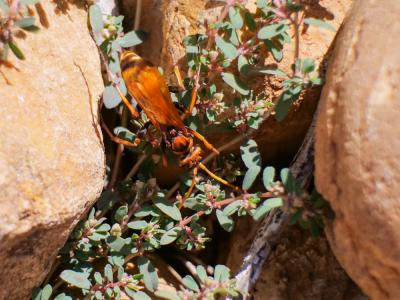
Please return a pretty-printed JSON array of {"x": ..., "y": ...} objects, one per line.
[
  {"x": 51, "y": 153},
  {"x": 357, "y": 147}
]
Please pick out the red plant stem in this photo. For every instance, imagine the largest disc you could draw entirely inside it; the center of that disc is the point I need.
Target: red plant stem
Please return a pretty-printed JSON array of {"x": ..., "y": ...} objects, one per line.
[{"x": 220, "y": 204}]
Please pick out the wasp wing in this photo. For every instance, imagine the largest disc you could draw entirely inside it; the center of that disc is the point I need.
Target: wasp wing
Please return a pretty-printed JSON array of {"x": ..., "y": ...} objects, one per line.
[{"x": 145, "y": 83}]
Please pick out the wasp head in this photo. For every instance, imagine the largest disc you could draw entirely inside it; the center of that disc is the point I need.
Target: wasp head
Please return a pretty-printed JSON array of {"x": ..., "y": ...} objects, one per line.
[{"x": 180, "y": 143}]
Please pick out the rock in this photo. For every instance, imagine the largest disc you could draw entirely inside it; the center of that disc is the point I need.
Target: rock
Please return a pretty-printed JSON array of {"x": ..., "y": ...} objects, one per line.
[
  {"x": 300, "y": 267},
  {"x": 51, "y": 153},
  {"x": 357, "y": 147}
]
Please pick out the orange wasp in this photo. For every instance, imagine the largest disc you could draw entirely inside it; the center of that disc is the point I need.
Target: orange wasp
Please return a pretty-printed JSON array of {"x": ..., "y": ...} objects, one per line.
[{"x": 146, "y": 84}]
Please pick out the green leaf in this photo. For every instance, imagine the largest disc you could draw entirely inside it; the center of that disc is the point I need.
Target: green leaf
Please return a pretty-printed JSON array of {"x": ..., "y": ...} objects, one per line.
[
  {"x": 282, "y": 109},
  {"x": 111, "y": 97},
  {"x": 137, "y": 225},
  {"x": 235, "y": 83},
  {"x": 308, "y": 66},
  {"x": 108, "y": 272},
  {"x": 316, "y": 81},
  {"x": 285, "y": 102},
  {"x": 227, "y": 48},
  {"x": 141, "y": 296},
  {"x": 145, "y": 211},
  {"x": 77, "y": 279},
  {"x": 116, "y": 243},
  {"x": 25, "y": 22},
  {"x": 170, "y": 236},
  {"x": 263, "y": 209},
  {"x": 202, "y": 273},
  {"x": 17, "y": 52},
  {"x": 270, "y": 31},
  {"x": 189, "y": 282},
  {"x": 221, "y": 273},
  {"x": 96, "y": 18},
  {"x": 250, "y": 177},
  {"x": 250, "y": 155},
  {"x": 275, "y": 49},
  {"x": 243, "y": 65},
  {"x": 225, "y": 221},
  {"x": 98, "y": 278},
  {"x": 232, "y": 208},
  {"x": 114, "y": 63},
  {"x": 262, "y": 3},
  {"x": 131, "y": 39},
  {"x": 29, "y": 2},
  {"x": 42, "y": 294},
  {"x": 249, "y": 20},
  {"x": 168, "y": 208},
  {"x": 150, "y": 277},
  {"x": 98, "y": 295},
  {"x": 98, "y": 236},
  {"x": 117, "y": 292},
  {"x": 271, "y": 71},
  {"x": 108, "y": 293},
  {"x": 120, "y": 213},
  {"x": 268, "y": 177},
  {"x": 166, "y": 295},
  {"x": 235, "y": 17},
  {"x": 103, "y": 228},
  {"x": 118, "y": 260},
  {"x": 290, "y": 183},
  {"x": 319, "y": 23},
  {"x": 32, "y": 28},
  {"x": 233, "y": 37},
  {"x": 63, "y": 296}
]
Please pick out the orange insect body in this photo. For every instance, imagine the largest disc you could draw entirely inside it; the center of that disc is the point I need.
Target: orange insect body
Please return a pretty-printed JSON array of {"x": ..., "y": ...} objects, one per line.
[{"x": 149, "y": 88}]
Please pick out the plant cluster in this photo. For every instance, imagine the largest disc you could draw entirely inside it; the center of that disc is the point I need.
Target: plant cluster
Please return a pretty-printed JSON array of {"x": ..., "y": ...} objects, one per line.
[
  {"x": 110, "y": 254},
  {"x": 15, "y": 16}
]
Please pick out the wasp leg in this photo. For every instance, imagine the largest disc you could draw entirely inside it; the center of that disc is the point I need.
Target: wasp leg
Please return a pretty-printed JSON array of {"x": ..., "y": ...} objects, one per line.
[
  {"x": 193, "y": 98},
  {"x": 203, "y": 140},
  {"x": 190, "y": 190},
  {"x": 119, "y": 140},
  {"x": 188, "y": 112},
  {"x": 133, "y": 111},
  {"x": 179, "y": 78},
  {"x": 217, "y": 178}
]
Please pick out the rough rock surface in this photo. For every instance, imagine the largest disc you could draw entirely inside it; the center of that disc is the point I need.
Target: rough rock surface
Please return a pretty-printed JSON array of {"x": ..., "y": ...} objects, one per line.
[
  {"x": 51, "y": 154},
  {"x": 300, "y": 267},
  {"x": 357, "y": 147}
]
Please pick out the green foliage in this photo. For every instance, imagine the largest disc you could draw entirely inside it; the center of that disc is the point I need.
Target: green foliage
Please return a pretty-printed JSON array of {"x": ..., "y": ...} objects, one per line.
[
  {"x": 14, "y": 17},
  {"x": 204, "y": 286},
  {"x": 110, "y": 254}
]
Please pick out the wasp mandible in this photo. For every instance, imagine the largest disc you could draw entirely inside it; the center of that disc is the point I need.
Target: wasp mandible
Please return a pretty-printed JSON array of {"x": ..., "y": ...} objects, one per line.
[{"x": 149, "y": 88}]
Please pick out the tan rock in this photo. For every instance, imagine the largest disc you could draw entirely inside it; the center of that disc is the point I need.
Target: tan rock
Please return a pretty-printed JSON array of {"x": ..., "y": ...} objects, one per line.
[
  {"x": 51, "y": 154},
  {"x": 300, "y": 267},
  {"x": 357, "y": 147}
]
